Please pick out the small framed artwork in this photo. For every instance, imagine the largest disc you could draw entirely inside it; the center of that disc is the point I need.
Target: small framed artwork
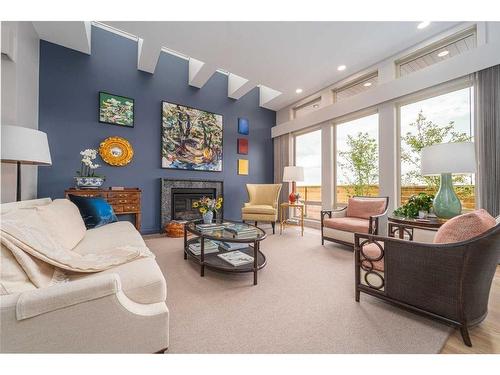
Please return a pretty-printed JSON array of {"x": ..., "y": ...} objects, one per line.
[
  {"x": 243, "y": 126},
  {"x": 242, "y": 146},
  {"x": 243, "y": 167},
  {"x": 116, "y": 110}
]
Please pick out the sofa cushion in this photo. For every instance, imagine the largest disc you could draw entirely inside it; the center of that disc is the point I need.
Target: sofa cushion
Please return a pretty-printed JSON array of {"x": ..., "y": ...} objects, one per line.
[
  {"x": 348, "y": 224},
  {"x": 259, "y": 209},
  {"x": 63, "y": 221},
  {"x": 95, "y": 211},
  {"x": 464, "y": 227},
  {"x": 372, "y": 251},
  {"x": 121, "y": 234},
  {"x": 365, "y": 207}
]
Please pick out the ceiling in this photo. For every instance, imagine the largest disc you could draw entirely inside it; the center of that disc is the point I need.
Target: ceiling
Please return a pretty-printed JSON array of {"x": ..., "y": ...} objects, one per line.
[{"x": 282, "y": 56}]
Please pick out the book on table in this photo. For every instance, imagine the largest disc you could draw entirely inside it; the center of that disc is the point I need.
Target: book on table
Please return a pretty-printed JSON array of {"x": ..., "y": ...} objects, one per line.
[
  {"x": 236, "y": 258},
  {"x": 209, "y": 247},
  {"x": 230, "y": 246}
]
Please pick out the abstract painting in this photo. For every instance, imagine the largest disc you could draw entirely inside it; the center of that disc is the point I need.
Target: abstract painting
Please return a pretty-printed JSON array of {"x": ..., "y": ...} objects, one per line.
[
  {"x": 116, "y": 110},
  {"x": 243, "y": 126},
  {"x": 243, "y": 167},
  {"x": 191, "y": 138},
  {"x": 242, "y": 146}
]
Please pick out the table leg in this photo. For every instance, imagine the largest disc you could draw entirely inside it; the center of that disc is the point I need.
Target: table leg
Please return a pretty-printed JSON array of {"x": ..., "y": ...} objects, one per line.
[
  {"x": 401, "y": 230},
  {"x": 185, "y": 242},
  {"x": 255, "y": 261},
  {"x": 202, "y": 257},
  {"x": 302, "y": 220}
]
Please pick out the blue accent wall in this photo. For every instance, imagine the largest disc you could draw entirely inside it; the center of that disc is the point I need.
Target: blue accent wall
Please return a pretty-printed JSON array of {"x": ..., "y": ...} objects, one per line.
[{"x": 69, "y": 86}]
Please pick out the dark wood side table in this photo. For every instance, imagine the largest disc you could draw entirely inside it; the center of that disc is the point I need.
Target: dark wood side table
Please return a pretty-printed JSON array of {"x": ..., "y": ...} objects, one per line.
[
  {"x": 124, "y": 202},
  {"x": 406, "y": 226}
]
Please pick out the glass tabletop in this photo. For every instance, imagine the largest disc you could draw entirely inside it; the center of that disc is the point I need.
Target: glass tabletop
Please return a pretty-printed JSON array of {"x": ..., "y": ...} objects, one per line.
[{"x": 226, "y": 230}]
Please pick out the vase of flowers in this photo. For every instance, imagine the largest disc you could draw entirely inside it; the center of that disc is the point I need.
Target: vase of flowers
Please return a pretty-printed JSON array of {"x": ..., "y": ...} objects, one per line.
[
  {"x": 86, "y": 178},
  {"x": 207, "y": 207}
]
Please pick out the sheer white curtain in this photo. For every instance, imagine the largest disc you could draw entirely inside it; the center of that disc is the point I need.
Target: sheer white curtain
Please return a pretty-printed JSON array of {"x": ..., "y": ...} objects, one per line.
[{"x": 487, "y": 135}]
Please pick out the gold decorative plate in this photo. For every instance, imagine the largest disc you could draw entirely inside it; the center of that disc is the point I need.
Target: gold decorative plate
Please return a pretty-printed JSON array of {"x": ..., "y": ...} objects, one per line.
[{"x": 116, "y": 151}]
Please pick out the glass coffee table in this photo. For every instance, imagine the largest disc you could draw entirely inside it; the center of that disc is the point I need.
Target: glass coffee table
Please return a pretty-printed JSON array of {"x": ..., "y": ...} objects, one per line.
[{"x": 201, "y": 249}]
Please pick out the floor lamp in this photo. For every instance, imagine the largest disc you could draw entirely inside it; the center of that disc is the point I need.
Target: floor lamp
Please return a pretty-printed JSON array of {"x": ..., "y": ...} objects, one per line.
[{"x": 22, "y": 145}]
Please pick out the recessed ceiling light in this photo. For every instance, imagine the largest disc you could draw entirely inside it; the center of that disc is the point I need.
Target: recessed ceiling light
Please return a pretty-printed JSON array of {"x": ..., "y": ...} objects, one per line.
[
  {"x": 341, "y": 67},
  {"x": 423, "y": 24},
  {"x": 315, "y": 105},
  {"x": 367, "y": 84},
  {"x": 298, "y": 91},
  {"x": 443, "y": 53}
]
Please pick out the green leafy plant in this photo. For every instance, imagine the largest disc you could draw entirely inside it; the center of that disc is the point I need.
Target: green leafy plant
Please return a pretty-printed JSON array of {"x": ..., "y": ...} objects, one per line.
[
  {"x": 418, "y": 202},
  {"x": 360, "y": 161}
]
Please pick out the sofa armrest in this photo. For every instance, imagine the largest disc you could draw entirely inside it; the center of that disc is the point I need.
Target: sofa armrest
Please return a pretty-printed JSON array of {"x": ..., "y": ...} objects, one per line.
[{"x": 44, "y": 300}]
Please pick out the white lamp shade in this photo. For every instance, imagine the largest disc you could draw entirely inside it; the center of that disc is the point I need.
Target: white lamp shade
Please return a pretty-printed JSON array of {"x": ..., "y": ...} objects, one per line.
[
  {"x": 25, "y": 145},
  {"x": 448, "y": 158},
  {"x": 291, "y": 174}
]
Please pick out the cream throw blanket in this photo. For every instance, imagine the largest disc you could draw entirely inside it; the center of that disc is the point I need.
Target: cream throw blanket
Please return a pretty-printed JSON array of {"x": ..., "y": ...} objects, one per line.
[{"x": 45, "y": 259}]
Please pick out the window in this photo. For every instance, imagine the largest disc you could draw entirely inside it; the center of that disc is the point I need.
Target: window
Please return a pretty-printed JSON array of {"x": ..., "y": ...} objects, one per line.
[
  {"x": 444, "y": 49},
  {"x": 440, "y": 119},
  {"x": 308, "y": 155},
  {"x": 356, "y": 158},
  {"x": 306, "y": 108},
  {"x": 355, "y": 87}
]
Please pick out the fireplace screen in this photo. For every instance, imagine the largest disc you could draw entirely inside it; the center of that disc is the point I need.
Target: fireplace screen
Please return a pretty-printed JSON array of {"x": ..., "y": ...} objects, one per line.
[{"x": 182, "y": 202}]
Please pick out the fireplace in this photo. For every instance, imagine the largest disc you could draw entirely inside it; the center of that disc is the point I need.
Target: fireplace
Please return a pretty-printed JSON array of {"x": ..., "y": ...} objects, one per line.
[
  {"x": 182, "y": 202},
  {"x": 177, "y": 198}
]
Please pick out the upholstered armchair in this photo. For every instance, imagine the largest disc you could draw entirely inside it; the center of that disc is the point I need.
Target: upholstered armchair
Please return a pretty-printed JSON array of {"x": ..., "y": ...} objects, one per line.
[
  {"x": 449, "y": 282},
  {"x": 361, "y": 215},
  {"x": 263, "y": 204}
]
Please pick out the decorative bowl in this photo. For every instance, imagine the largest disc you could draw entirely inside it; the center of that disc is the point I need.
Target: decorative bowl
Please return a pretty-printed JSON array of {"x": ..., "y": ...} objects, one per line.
[{"x": 89, "y": 182}]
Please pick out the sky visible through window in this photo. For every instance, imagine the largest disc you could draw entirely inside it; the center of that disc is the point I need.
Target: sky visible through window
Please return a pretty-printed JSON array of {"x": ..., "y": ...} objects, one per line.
[
  {"x": 308, "y": 155},
  {"x": 454, "y": 106}
]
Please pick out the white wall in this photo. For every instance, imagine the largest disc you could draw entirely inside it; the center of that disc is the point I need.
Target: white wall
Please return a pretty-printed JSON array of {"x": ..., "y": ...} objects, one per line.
[{"x": 19, "y": 85}]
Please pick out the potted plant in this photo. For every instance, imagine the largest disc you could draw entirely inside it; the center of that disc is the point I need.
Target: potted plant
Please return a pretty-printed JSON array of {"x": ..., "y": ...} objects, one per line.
[
  {"x": 207, "y": 207},
  {"x": 417, "y": 206},
  {"x": 86, "y": 178}
]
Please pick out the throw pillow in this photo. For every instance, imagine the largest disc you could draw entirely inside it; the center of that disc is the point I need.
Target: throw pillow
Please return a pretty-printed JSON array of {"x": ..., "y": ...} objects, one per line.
[
  {"x": 464, "y": 227},
  {"x": 63, "y": 221},
  {"x": 95, "y": 211},
  {"x": 365, "y": 207}
]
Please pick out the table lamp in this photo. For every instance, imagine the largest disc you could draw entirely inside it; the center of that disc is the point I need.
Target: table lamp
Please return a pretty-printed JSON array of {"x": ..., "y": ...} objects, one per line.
[
  {"x": 293, "y": 174},
  {"x": 22, "y": 145},
  {"x": 445, "y": 159}
]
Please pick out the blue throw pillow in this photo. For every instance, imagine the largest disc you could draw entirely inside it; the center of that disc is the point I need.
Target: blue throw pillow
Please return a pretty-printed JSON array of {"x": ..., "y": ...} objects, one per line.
[{"x": 95, "y": 211}]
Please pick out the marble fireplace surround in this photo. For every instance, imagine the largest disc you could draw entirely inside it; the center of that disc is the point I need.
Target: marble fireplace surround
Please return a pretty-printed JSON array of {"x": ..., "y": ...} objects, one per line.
[{"x": 166, "y": 198}]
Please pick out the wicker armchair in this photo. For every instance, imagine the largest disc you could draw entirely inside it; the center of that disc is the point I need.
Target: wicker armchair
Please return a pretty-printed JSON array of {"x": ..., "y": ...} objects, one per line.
[
  {"x": 448, "y": 282},
  {"x": 340, "y": 225}
]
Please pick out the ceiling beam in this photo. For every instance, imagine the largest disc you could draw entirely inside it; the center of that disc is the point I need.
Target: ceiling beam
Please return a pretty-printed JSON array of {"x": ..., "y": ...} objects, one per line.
[
  {"x": 238, "y": 86},
  {"x": 199, "y": 72},
  {"x": 70, "y": 34},
  {"x": 267, "y": 95},
  {"x": 147, "y": 55}
]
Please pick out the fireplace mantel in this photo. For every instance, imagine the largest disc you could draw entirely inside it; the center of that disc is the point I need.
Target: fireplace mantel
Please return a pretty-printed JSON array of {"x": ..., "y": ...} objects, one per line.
[{"x": 168, "y": 184}]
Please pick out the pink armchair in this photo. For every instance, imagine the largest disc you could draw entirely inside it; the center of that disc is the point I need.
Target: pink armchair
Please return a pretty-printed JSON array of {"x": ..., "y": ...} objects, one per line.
[{"x": 361, "y": 215}]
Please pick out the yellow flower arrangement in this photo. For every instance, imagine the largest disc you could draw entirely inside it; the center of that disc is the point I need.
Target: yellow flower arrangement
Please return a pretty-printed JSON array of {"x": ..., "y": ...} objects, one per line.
[{"x": 206, "y": 204}]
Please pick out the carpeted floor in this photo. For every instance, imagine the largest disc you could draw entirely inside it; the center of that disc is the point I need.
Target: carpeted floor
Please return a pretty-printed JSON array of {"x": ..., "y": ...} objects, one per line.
[{"x": 304, "y": 303}]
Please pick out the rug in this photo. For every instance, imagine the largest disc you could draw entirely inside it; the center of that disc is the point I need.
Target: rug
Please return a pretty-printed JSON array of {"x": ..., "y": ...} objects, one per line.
[{"x": 303, "y": 303}]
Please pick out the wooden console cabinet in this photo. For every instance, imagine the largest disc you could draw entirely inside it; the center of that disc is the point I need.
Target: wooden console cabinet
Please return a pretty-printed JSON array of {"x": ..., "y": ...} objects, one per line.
[{"x": 127, "y": 201}]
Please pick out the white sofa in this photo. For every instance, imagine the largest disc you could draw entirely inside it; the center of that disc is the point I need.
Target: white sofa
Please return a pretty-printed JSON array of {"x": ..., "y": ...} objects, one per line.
[{"x": 119, "y": 310}]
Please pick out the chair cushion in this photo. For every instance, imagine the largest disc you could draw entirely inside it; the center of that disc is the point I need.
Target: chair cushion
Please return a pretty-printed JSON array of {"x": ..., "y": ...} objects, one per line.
[
  {"x": 372, "y": 251},
  {"x": 259, "y": 209},
  {"x": 464, "y": 227},
  {"x": 365, "y": 207},
  {"x": 63, "y": 221},
  {"x": 348, "y": 224},
  {"x": 95, "y": 211},
  {"x": 264, "y": 194}
]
